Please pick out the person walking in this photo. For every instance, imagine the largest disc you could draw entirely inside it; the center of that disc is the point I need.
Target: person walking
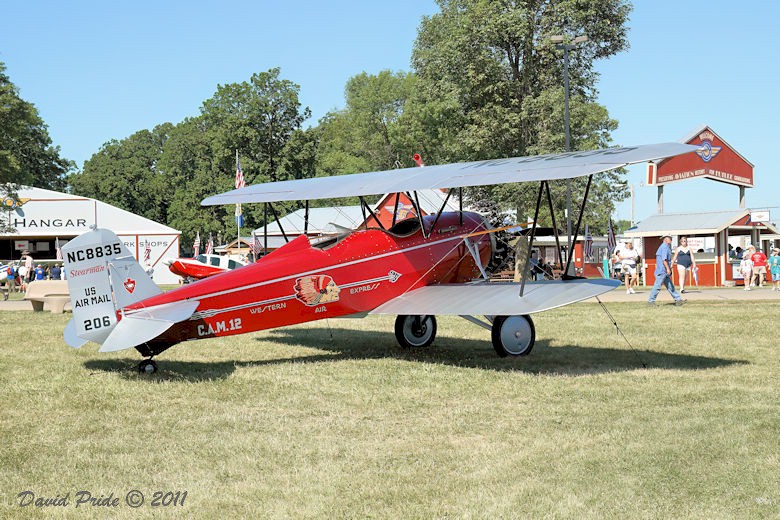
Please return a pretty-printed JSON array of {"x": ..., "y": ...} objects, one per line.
[
  {"x": 774, "y": 268},
  {"x": 759, "y": 267},
  {"x": 628, "y": 257},
  {"x": 683, "y": 258},
  {"x": 746, "y": 267},
  {"x": 663, "y": 273}
]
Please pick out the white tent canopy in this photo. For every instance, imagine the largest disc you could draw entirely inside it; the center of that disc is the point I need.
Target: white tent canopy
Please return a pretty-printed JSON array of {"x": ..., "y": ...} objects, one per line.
[{"x": 46, "y": 214}]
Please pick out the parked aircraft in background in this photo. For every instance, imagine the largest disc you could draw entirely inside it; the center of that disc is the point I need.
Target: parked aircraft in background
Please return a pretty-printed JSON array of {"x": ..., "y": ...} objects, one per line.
[{"x": 203, "y": 266}]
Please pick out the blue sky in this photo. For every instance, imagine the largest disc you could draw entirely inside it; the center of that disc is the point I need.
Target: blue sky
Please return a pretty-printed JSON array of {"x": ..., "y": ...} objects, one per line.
[{"x": 98, "y": 71}]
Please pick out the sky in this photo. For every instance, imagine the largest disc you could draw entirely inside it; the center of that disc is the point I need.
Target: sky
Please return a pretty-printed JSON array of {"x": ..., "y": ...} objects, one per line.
[{"x": 98, "y": 71}]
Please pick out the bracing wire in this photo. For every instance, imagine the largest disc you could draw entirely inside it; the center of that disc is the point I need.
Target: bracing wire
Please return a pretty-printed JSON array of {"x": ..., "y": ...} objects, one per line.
[{"x": 620, "y": 332}]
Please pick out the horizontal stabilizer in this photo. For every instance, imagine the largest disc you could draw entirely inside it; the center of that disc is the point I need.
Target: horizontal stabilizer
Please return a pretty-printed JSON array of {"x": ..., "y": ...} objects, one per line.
[
  {"x": 495, "y": 299},
  {"x": 146, "y": 324},
  {"x": 71, "y": 337}
]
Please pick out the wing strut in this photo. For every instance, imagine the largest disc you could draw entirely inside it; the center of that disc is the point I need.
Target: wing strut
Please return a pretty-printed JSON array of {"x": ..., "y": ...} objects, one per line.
[
  {"x": 554, "y": 225},
  {"x": 365, "y": 207},
  {"x": 395, "y": 207},
  {"x": 279, "y": 223},
  {"x": 531, "y": 242},
  {"x": 475, "y": 254},
  {"x": 441, "y": 210},
  {"x": 577, "y": 229}
]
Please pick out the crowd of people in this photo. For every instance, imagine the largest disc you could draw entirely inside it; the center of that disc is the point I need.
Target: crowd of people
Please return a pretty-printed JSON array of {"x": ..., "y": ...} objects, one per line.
[
  {"x": 15, "y": 276},
  {"x": 754, "y": 265}
]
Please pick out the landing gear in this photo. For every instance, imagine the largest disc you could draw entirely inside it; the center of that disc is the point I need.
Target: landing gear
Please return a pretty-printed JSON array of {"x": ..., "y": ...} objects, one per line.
[
  {"x": 415, "y": 331},
  {"x": 147, "y": 366},
  {"x": 513, "y": 335}
]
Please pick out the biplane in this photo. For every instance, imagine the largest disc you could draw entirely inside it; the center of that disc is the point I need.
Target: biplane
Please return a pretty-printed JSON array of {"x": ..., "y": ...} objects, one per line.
[{"x": 416, "y": 268}]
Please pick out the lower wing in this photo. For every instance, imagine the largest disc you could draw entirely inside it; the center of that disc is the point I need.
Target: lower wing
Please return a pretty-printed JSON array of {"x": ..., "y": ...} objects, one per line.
[{"x": 495, "y": 299}]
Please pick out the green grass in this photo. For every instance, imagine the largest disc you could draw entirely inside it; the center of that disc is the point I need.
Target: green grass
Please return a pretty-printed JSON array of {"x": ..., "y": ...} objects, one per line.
[{"x": 334, "y": 420}]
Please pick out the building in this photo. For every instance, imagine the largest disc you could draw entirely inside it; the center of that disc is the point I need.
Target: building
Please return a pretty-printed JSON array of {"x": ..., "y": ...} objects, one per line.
[
  {"x": 714, "y": 236},
  {"x": 44, "y": 219}
]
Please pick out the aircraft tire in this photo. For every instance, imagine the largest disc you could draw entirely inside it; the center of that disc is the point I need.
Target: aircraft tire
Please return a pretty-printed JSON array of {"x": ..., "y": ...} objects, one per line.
[
  {"x": 415, "y": 331},
  {"x": 147, "y": 367},
  {"x": 513, "y": 335}
]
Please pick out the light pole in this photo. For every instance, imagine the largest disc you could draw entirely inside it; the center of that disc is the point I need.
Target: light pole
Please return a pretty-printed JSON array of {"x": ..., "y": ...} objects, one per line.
[
  {"x": 560, "y": 41},
  {"x": 630, "y": 186}
]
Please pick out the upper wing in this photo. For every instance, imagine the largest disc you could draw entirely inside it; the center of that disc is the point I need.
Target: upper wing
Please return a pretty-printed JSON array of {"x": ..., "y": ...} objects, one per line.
[
  {"x": 480, "y": 173},
  {"x": 495, "y": 299}
]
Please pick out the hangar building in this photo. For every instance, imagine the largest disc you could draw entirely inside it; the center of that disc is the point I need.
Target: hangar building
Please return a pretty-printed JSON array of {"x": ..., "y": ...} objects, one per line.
[{"x": 45, "y": 218}]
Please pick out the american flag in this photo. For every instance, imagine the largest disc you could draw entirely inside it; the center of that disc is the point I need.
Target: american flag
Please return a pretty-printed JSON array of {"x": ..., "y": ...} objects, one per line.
[
  {"x": 210, "y": 246},
  {"x": 240, "y": 183},
  {"x": 257, "y": 245},
  {"x": 147, "y": 252},
  {"x": 196, "y": 245},
  {"x": 57, "y": 248},
  {"x": 611, "y": 240},
  {"x": 588, "y": 243}
]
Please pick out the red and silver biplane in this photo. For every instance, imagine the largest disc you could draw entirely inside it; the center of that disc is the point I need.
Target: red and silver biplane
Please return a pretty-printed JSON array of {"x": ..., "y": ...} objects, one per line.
[{"x": 416, "y": 269}]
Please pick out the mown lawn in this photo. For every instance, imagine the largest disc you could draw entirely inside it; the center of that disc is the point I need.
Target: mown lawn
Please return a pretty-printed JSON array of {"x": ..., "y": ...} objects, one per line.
[{"x": 334, "y": 420}]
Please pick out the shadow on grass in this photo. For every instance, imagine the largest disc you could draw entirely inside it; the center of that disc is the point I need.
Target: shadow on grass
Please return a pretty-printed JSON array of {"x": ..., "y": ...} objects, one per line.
[
  {"x": 347, "y": 344},
  {"x": 562, "y": 360}
]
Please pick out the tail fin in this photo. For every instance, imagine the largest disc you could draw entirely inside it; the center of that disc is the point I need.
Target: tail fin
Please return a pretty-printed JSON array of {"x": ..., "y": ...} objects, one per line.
[{"x": 102, "y": 277}]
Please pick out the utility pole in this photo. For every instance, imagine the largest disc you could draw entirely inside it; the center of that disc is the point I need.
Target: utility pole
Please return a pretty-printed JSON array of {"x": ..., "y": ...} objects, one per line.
[{"x": 566, "y": 47}]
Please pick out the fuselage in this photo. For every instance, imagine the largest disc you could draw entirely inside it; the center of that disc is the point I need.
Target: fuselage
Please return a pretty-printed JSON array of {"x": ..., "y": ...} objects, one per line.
[{"x": 351, "y": 274}]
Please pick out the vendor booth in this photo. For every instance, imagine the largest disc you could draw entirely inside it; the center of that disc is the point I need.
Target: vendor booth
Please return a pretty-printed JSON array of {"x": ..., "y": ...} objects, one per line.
[{"x": 709, "y": 235}]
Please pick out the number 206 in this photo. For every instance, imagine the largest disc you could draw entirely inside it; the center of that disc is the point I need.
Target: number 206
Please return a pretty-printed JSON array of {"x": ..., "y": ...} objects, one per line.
[{"x": 97, "y": 323}]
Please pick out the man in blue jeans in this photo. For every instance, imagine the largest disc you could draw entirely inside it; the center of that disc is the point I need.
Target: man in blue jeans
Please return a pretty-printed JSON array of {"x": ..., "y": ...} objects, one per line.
[{"x": 663, "y": 273}]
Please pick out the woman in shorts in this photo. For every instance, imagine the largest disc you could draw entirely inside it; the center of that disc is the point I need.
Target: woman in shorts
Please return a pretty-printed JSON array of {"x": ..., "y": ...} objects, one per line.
[{"x": 683, "y": 257}]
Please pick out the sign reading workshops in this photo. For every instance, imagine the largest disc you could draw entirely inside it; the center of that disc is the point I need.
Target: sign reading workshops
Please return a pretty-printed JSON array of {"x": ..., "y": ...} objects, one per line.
[{"x": 715, "y": 159}]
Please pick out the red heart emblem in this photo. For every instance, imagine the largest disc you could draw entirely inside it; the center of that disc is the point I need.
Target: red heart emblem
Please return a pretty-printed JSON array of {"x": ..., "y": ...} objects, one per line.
[{"x": 129, "y": 285}]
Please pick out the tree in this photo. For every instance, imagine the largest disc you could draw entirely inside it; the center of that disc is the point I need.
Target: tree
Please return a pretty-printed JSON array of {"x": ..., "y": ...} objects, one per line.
[
  {"x": 492, "y": 73},
  {"x": 126, "y": 173},
  {"x": 27, "y": 156},
  {"x": 258, "y": 118},
  {"x": 367, "y": 135}
]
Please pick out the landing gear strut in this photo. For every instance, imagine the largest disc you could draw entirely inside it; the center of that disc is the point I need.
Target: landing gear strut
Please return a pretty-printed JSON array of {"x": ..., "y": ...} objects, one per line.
[{"x": 147, "y": 366}]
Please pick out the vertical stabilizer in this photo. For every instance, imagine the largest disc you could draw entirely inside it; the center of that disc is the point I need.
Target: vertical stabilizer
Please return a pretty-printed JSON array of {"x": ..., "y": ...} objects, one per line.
[{"x": 90, "y": 259}]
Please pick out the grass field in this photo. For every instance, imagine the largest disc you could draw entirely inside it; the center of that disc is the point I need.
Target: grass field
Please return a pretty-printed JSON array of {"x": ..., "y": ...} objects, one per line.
[{"x": 334, "y": 420}]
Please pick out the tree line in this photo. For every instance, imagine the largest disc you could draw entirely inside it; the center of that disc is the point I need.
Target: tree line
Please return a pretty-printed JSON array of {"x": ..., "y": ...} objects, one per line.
[{"x": 486, "y": 82}]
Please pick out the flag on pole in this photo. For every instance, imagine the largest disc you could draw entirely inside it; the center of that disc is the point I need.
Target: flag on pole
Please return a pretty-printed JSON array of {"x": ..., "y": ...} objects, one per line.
[
  {"x": 147, "y": 252},
  {"x": 239, "y": 216},
  {"x": 196, "y": 245},
  {"x": 57, "y": 248},
  {"x": 210, "y": 246},
  {"x": 611, "y": 240},
  {"x": 240, "y": 183},
  {"x": 256, "y": 245},
  {"x": 588, "y": 243}
]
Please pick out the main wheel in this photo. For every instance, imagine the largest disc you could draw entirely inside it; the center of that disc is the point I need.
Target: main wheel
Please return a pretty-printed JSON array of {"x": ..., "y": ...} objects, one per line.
[
  {"x": 415, "y": 331},
  {"x": 147, "y": 366},
  {"x": 513, "y": 335}
]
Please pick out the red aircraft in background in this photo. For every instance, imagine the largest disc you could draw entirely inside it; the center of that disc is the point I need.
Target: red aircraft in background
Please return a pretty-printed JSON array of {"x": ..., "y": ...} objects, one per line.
[
  {"x": 416, "y": 269},
  {"x": 203, "y": 266}
]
